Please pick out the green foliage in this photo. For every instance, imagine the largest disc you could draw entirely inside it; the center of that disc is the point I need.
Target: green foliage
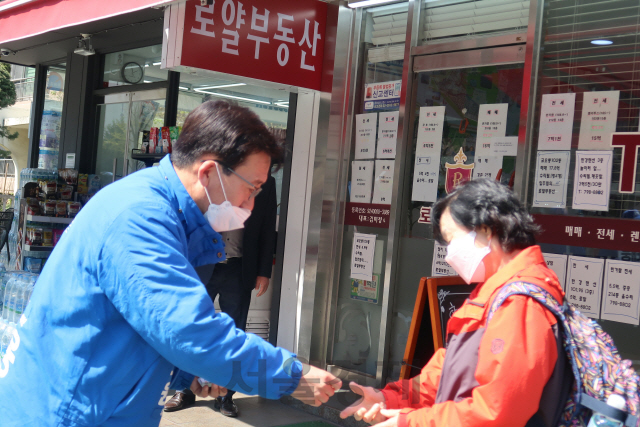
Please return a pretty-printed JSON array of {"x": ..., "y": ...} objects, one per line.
[
  {"x": 7, "y": 98},
  {"x": 7, "y": 88}
]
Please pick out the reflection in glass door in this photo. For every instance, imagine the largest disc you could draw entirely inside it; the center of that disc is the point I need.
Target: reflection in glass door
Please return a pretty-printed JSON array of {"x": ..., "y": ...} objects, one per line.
[
  {"x": 481, "y": 102},
  {"x": 121, "y": 119}
]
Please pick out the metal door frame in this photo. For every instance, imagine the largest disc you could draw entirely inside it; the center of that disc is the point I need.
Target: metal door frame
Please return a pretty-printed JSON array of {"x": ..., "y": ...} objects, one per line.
[{"x": 129, "y": 98}]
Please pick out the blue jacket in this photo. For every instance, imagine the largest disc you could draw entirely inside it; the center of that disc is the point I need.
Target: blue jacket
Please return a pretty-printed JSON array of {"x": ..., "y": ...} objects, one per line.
[{"x": 119, "y": 305}]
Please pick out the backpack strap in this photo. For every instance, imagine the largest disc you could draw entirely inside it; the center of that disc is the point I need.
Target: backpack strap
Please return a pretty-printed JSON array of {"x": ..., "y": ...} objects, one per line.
[{"x": 528, "y": 289}]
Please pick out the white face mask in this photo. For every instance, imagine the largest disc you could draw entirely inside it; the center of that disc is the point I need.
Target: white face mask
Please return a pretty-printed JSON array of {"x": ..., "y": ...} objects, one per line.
[
  {"x": 225, "y": 217},
  {"x": 466, "y": 258}
]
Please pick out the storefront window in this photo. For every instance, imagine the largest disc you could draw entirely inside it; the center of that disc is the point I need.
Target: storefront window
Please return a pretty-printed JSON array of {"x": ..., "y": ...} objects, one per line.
[
  {"x": 582, "y": 185},
  {"x": 454, "y": 20},
  {"x": 374, "y": 144},
  {"x": 458, "y": 115},
  {"x": 135, "y": 66},
  {"x": 52, "y": 117}
]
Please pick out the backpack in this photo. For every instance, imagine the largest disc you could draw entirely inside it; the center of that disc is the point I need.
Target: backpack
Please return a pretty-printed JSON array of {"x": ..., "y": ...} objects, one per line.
[{"x": 597, "y": 367}]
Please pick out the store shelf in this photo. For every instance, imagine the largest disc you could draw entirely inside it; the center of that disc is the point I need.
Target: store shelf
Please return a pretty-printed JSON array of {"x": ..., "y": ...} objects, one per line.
[
  {"x": 148, "y": 158},
  {"x": 49, "y": 219},
  {"x": 38, "y": 248}
]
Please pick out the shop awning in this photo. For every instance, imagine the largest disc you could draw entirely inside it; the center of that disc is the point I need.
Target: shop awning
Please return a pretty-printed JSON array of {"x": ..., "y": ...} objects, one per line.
[{"x": 21, "y": 19}]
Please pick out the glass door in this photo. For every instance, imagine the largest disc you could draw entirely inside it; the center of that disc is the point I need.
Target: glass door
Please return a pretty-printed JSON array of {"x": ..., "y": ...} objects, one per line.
[
  {"x": 121, "y": 119},
  {"x": 465, "y": 105}
]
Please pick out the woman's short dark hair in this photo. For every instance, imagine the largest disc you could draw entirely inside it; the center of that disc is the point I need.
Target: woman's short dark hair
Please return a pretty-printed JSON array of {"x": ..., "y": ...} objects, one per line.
[
  {"x": 487, "y": 202},
  {"x": 227, "y": 131}
]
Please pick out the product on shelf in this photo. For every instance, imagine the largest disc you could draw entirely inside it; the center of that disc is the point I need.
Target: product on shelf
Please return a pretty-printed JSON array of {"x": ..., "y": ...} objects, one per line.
[
  {"x": 73, "y": 208},
  {"x": 166, "y": 140},
  {"x": 47, "y": 237},
  {"x": 61, "y": 209},
  {"x": 83, "y": 183},
  {"x": 153, "y": 139},
  {"x": 144, "y": 141},
  {"x": 57, "y": 233},
  {"x": 50, "y": 208},
  {"x": 69, "y": 176}
]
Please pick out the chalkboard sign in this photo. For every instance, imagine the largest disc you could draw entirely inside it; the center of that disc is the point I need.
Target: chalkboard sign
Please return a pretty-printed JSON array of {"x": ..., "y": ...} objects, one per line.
[
  {"x": 443, "y": 296},
  {"x": 450, "y": 299}
]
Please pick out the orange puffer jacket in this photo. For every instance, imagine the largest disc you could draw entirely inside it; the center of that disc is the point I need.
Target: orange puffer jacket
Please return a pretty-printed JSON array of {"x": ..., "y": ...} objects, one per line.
[{"x": 506, "y": 373}]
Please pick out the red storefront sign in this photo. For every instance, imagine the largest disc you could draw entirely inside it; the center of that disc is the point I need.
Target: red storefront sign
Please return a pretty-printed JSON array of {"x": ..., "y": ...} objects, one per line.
[
  {"x": 281, "y": 41},
  {"x": 367, "y": 215},
  {"x": 600, "y": 233},
  {"x": 629, "y": 142}
]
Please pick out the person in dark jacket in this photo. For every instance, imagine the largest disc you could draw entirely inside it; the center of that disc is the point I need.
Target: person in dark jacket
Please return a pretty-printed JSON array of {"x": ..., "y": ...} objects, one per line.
[{"x": 248, "y": 266}]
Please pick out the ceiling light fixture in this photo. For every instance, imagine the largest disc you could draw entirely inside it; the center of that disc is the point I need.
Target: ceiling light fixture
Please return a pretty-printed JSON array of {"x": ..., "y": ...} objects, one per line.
[
  {"x": 282, "y": 104},
  {"x": 601, "y": 42},
  {"x": 221, "y": 86},
  {"x": 183, "y": 88},
  {"x": 84, "y": 46},
  {"x": 156, "y": 63},
  {"x": 362, "y": 3},
  {"x": 240, "y": 98}
]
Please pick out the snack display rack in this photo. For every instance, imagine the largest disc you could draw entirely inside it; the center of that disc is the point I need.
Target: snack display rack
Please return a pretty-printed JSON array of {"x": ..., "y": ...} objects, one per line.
[{"x": 29, "y": 220}]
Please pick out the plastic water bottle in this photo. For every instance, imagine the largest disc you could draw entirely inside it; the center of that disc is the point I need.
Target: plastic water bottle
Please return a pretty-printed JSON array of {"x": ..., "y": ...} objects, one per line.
[
  {"x": 20, "y": 292},
  {"x": 28, "y": 290},
  {"x": 3, "y": 286},
  {"x": 7, "y": 312},
  {"x": 6, "y": 337},
  {"x": 599, "y": 420}
]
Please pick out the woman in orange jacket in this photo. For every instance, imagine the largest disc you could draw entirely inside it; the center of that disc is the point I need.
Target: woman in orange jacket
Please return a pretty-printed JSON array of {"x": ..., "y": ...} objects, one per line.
[{"x": 511, "y": 372}]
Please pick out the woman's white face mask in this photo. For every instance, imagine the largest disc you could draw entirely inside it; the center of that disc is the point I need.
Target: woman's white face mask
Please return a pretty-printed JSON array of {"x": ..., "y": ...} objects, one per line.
[
  {"x": 225, "y": 217},
  {"x": 466, "y": 258}
]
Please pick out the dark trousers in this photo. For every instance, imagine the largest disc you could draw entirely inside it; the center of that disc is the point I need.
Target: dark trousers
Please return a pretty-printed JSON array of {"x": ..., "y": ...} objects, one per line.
[{"x": 233, "y": 298}]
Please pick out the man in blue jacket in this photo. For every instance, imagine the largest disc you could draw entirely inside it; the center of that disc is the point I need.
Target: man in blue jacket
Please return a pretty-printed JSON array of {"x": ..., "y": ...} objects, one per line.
[{"x": 119, "y": 310}]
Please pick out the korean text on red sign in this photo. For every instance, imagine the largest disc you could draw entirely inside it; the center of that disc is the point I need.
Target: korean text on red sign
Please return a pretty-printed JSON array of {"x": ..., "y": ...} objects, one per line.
[{"x": 274, "y": 40}]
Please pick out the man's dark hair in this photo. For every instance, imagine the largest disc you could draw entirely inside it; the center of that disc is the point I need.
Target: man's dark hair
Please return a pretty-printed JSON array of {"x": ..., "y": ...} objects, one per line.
[
  {"x": 487, "y": 202},
  {"x": 227, "y": 131}
]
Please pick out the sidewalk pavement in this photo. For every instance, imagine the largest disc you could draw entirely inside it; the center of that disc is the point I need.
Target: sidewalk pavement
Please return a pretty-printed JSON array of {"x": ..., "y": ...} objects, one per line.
[{"x": 252, "y": 411}]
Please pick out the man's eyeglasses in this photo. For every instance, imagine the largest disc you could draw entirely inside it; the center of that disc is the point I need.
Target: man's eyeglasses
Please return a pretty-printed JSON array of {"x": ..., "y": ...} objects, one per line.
[{"x": 256, "y": 190}]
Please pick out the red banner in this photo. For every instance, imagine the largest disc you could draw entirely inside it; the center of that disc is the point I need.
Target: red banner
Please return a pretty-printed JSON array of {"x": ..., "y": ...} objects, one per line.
[
  {"x": 367, "y": 215},
  {"x": 280, "y": 41},
  {"x": 600, "y": 233}
]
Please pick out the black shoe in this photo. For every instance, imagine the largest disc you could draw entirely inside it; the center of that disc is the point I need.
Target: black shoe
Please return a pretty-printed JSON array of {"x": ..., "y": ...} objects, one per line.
[
  {"x": 217, "y": 403},
  {"x": 179, "y": 401},
  {"x": 227, "y": 407}
]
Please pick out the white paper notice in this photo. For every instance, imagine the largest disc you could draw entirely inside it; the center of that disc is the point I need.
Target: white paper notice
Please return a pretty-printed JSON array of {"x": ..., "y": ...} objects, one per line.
[
  {"x": 440, "y": 267},
  {"x": 556, "y": 121},
  {"x": 428, "y": 149},
  {"x": 364, "y": 246},
  {"x": 383, "y": 185},
  {"x": 492, "y": 123},
  {"x": 505, "y": 146},
  {"x": 621, "y": 292},
  {"x": 387, "y": 135},
  {"x": 487, "y": 166},
  {"x": 361, "y": 179},
  {"x": 584, "y": 284},
  {"x": 558, "y": 264},
  {"x": 552, "y": 177},
  {"x": 599, "y": 116},
  {"x": 592, "y": 180},
  {"x": 366, "y": 135}
]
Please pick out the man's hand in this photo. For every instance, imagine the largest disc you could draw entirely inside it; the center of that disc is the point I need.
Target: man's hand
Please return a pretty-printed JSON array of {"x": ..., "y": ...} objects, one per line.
[
  {"x": 207, "y": 391},
  {"x": 368, "y": 408},
  {"x": 262, "y": 284},
  {"x": 316, "y": 386}
]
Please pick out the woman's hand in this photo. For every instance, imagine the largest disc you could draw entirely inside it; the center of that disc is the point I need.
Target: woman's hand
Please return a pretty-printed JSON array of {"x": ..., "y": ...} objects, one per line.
[
  {"x": 392, "y": 416},
  {"x": 368, "y": 408}
]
